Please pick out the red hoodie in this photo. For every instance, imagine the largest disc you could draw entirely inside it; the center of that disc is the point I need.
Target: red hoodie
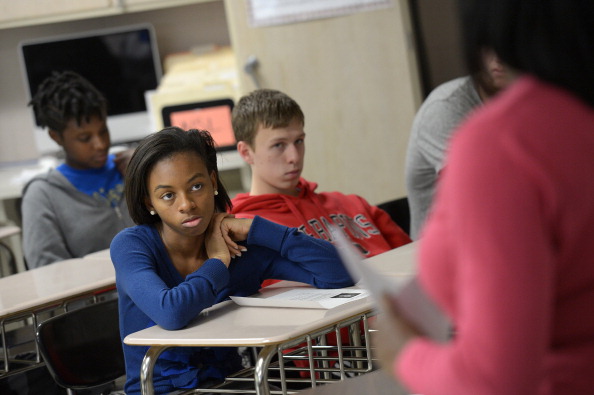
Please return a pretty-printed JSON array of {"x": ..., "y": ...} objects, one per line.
[{"x": 371, "y": 229}]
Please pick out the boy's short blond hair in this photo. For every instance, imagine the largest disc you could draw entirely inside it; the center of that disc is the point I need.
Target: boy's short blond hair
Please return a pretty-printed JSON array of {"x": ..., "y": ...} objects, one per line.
[{"x": 263, "y": 107}]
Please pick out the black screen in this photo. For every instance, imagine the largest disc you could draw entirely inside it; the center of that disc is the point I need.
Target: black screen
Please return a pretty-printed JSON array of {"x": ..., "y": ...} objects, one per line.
[{"x": 122, "y": 64}]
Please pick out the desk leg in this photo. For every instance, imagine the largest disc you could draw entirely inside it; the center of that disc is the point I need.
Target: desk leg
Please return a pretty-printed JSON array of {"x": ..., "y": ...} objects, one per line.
[
  {"x": 146, "y": 370},
  {"x": 261, "y": 370}
]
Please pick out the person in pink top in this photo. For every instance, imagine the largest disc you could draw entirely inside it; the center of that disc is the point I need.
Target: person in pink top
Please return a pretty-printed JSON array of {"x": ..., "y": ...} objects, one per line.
[{"x": 508, "y": 253}]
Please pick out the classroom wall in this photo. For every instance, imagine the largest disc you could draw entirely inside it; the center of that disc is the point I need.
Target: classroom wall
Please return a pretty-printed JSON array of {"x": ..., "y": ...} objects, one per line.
[
  {"x": 356, "y": 79},
  {"x": 177, "y": 28}
]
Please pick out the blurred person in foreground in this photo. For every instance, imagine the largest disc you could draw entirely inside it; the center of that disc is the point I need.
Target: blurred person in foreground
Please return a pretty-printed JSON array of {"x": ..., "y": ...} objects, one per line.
[{"x": 508, "y": 252}]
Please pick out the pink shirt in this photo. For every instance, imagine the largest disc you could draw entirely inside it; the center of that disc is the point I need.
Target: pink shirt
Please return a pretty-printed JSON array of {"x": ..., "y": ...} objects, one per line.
[{"x": 508, "y": 252}]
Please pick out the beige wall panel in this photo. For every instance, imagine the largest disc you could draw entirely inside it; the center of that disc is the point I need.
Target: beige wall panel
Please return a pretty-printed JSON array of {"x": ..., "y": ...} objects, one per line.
[
  {"x": 356, "y": 79},
  {"x": 22, "y": 9}
]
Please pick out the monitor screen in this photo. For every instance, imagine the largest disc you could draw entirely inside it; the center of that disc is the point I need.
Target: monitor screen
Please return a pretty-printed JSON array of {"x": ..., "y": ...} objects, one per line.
[
  {"x": 123, "y": 63},
  {"x": 213, "y": 116}
]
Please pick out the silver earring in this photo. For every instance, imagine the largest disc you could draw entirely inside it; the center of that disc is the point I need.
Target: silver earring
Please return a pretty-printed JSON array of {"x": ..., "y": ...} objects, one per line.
[
  {"x": 153, "y": 212},
  {"x": 216, "y": 192}
]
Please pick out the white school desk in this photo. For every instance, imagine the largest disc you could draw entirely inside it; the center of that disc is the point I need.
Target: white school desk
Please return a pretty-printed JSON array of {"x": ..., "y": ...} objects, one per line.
[
  {"x": 399, "y": 262},
  {"x": 26, "y": 294},
  {"x": 227, "y": 324},
  {"x": 13, "y": 177},
  {"x": 103, "y": 255},
  {"x": 12, "y": 181}
]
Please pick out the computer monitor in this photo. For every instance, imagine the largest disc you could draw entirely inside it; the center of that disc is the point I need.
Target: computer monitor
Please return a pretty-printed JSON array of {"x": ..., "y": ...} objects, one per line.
[
  {"x": 213, "y": 116},
  {"x": 123, "y": 63}
]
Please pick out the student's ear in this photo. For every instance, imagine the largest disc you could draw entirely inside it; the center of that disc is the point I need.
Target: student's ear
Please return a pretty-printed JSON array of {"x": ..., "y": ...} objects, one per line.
[
  {"x": 213, "y": 179},
  {"x": 148, "y": 204},
  {"x": 57, "y": 137},
  {"x": 245, "y": 151}
]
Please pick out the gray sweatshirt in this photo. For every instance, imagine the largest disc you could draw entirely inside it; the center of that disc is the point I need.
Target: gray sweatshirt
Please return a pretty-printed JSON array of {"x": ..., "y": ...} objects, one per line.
[
  {"x": 60, "y": 222},
  {"x": 434, "y": 124}
]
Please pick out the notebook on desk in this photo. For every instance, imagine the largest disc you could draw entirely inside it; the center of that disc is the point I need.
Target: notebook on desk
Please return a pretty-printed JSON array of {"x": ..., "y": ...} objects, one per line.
[{"x": 410, "y": 298}]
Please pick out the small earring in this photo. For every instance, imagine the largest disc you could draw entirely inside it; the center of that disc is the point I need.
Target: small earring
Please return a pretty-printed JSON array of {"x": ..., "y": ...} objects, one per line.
[
  {"x": 216, "y": 192},
  {"x": 153, "y": 212}
]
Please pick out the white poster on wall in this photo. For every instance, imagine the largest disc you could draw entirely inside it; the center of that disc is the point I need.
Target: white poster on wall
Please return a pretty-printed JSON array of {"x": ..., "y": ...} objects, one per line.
[{"x": 279, "y": 12}]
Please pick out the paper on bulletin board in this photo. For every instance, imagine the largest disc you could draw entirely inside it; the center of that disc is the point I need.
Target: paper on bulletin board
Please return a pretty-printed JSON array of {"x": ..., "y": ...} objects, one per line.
[{"x": 280, "y": 12}]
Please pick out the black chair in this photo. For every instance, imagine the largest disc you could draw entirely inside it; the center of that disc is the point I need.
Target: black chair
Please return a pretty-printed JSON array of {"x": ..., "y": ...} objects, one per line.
[
  {"x": 82, "y": 348},
  {"x": 8, "y": 231},
  {"x": 399, "y": 211}
]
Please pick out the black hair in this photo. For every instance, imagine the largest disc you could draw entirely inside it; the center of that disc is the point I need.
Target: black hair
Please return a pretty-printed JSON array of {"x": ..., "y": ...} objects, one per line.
[
  {"x": 65, "y": 96},
  {"x": 550, "y": 39},
  {"x": 158, "y": 146},
  {"x": 267, "y": 107}
]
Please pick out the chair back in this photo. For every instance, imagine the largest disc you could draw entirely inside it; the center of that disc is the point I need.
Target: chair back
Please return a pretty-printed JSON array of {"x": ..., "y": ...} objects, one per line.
[
  {"x": 399, "y": 210},
  {"x": 11, "y": 267},
  {"x": 82, "y": 348}
]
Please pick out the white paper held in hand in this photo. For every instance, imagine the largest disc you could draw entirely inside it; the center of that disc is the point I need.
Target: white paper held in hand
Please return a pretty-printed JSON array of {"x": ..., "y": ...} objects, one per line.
[{"x": 406, "y": 293}]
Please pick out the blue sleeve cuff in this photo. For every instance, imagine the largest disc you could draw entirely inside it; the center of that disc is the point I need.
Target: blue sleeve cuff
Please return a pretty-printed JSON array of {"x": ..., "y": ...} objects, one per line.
[{"x": 266, "y": 233}]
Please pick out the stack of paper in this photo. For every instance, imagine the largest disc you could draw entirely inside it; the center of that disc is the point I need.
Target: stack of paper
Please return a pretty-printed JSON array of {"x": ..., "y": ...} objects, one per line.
[{"x": 303, "y": 297}]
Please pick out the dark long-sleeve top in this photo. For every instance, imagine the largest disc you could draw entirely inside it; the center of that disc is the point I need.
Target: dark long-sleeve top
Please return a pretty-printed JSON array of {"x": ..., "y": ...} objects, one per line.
[{"x": 151, "y": 291}]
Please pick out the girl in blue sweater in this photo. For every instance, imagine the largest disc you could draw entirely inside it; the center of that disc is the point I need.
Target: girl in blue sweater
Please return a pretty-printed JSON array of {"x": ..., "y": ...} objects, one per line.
[{"x": 186, "y": 254}]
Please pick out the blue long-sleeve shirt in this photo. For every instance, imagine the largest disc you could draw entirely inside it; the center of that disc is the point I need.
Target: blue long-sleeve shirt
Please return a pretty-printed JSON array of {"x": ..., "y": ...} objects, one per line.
[{"x": 151, "y": 291}]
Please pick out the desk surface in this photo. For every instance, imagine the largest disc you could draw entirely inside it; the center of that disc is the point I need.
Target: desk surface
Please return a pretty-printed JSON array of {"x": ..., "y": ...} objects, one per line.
[
  {"x": 398, "y": 262},
  {"x": 14, "y": 178},
  {"x": 103, "y": 255},
  {"x": 47, "y": 285},
  {"x": 228, "y": 324}
]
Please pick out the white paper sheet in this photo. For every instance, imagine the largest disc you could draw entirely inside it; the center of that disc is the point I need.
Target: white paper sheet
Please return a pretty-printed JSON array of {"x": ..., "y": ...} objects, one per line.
[
  {"x": 302, "y": 297},
  {"x": 278, "y": 12}
]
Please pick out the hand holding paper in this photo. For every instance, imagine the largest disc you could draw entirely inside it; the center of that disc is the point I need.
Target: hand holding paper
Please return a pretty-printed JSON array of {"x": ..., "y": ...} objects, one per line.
[{"x": 408, "y": 298}]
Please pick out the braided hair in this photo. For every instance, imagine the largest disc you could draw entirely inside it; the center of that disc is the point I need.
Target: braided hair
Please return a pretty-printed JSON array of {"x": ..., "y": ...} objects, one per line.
[{"x": 66, "y": 96}]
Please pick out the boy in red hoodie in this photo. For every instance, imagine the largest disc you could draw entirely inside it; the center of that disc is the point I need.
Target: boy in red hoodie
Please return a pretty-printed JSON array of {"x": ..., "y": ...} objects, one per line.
[{"x": 269, "y": 128}]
